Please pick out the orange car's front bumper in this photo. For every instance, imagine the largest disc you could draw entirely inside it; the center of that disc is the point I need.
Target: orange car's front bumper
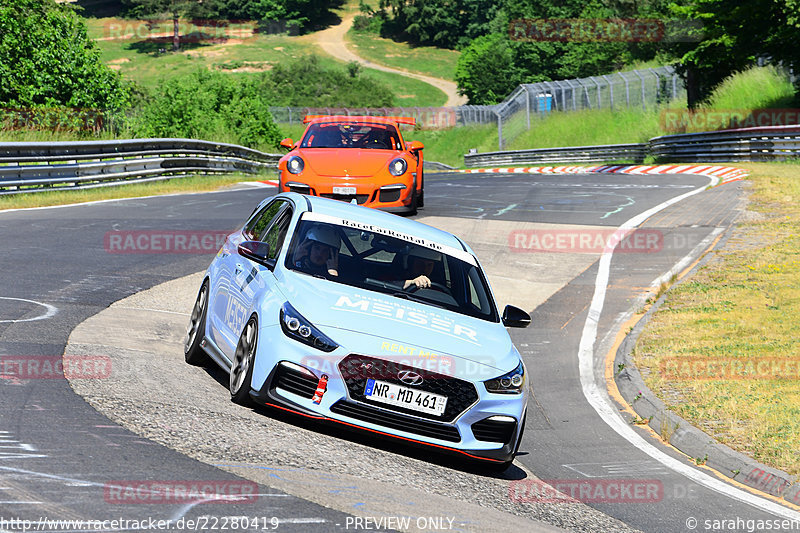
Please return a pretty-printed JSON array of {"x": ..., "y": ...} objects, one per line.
[{"x": 395, "y": 194}]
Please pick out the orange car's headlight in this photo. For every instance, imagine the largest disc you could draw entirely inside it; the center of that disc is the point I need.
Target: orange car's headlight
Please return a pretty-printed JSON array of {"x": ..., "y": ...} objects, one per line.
[
  {"x": 295, "y": 164},
  {"x": 398, "y": 166}
]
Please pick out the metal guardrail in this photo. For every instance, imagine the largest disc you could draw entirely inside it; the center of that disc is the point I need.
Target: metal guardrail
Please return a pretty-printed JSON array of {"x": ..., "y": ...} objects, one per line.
[
  {"x": 772, "y": 143},
  {"x": 37, "y": 166},
  {"x": 634, "y": 153}
]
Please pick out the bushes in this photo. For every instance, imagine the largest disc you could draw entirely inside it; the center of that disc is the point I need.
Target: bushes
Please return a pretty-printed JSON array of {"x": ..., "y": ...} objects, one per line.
[
  {"x": 307, "y": 83},
  {"x": 209, "y": 105},
  {"x": 46, "y": 59},
  {"x": 223, "y": 107}
]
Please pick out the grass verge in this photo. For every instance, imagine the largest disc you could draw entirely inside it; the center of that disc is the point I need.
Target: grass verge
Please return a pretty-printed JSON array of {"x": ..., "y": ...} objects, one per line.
[
  {"x": 177, "y": 185},
  {"x": 127, "y": 46},
  {"x": 739, "y": 310},
  {"x": 428, "y": 60}
]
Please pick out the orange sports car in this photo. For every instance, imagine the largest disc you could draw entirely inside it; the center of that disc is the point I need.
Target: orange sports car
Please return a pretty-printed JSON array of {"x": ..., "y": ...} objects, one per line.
[{"x": 361, "y": 157}]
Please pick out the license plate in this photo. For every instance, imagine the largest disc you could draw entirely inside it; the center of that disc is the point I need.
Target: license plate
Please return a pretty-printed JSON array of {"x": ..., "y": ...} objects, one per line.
[
  {"x": 397, "y": 395},
  {"x": 344, "y": 190}
]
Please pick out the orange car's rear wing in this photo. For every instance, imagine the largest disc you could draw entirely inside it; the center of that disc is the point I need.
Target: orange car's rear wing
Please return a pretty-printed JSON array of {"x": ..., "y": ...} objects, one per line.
[{"x": 411, "y": 121}]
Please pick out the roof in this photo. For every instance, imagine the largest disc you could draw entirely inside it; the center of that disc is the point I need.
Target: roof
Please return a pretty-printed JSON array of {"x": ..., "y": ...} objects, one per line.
[
  {"x": 366, "y": 215},
  {"x": 314, "y": 119}
]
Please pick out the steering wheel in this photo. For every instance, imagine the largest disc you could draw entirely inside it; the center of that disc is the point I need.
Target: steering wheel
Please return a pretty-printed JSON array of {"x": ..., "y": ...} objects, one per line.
[{"x": 438, "y": 286}]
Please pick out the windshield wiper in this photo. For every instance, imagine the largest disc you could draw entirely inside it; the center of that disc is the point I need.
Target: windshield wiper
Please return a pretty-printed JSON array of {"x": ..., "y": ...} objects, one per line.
[{"x": 407, "y": 296}]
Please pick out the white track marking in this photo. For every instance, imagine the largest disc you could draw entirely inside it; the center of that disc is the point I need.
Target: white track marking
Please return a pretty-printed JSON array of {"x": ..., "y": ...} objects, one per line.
[
  {"x": 49, "y": 311},
  {"x": 93, "y": 202},
  {"x": 598, "y": 398}
]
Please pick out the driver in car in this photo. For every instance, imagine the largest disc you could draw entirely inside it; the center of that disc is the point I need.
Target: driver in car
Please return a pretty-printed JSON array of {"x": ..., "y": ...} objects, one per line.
[
  {"x": 318, "y": 254},
  {"x": 421, "y": 262}
]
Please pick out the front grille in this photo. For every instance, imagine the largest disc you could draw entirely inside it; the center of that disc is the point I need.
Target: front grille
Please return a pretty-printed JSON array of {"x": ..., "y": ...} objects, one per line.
[
  {"x": 489, "y": 430},
  {"x": 397, "y": 421},
  {"x": 357, "y": 369},
  {"x": 390, "y": 195},
  {"x": 360, "y": 198},
  {"x": 294, "y": 381},
  {"x": 301, "y": 190}
]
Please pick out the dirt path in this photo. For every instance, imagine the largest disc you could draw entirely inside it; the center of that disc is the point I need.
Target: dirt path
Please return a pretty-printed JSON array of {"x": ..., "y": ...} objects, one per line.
[{"x": 333, "y": 43}]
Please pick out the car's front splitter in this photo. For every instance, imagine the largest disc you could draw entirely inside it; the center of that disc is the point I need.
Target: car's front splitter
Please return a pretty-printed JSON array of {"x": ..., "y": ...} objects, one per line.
[{"x": 269, "y": 397}]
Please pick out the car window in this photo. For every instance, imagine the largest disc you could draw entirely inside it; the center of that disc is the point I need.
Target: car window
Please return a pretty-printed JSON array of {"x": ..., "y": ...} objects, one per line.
[
  {"x": 257, "y": 226},
  {"x": 352, "y": 135},
  {"x": 378, "y": 261},
  {"x": 276, "y": 233}
]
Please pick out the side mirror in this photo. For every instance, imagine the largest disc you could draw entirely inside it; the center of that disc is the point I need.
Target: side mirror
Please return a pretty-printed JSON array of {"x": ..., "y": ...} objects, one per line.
[
  {"x": 415, "y": 146},
  {"x": 287, "y": 143},
  {"x": 514, "y": 317},
  {"x": 257, "y": 251}
]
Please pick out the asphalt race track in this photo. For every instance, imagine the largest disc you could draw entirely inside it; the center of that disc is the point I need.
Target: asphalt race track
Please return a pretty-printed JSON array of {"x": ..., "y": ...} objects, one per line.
[{"x": 62, "y": 459}]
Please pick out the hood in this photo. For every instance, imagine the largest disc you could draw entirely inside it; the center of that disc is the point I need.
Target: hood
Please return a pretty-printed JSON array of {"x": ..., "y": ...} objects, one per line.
[
  {"x": 346, "y": 161},
  {"x": 372, "y": 323}
]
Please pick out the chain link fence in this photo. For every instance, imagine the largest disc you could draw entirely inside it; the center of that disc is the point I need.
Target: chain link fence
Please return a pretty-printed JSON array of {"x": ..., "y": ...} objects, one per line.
[{"x": 645, "y": 88}]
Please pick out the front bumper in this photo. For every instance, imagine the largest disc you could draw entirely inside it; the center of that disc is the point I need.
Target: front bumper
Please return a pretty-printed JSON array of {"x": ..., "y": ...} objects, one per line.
[
  {"x": 487, "y": 427},
  {"x": 383, "y": 194}
]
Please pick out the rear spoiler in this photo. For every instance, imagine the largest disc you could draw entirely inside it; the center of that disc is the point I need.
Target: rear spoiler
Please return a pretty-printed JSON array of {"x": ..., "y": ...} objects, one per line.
[{"x": 411, "y": 121}]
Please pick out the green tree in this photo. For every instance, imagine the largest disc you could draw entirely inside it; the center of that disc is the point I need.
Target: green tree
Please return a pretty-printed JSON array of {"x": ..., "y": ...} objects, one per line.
[
  {"x": 734, "y": 37},
  {"x": 175, "y": 9},
  {"x": 486, "y": 71},
  {"x": 443, "y": 23},
  {"x": 46, "y": 59}
]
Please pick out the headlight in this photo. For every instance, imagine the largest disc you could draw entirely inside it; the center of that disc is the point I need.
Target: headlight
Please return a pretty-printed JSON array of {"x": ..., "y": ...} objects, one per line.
[
  {"x": 398, "y": 166},
  {"x": 294, "y": 325},
  {"x": 511, "y": 383},
  {"x": 295, "y": 164}
]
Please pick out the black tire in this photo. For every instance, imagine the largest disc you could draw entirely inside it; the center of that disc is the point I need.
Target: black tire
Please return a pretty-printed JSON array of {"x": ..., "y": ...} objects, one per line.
[
  {"x": 241, "y": 374},
  {"x": 421, "y": 199},
  {"x": 413, "y": 209},
  {"x": 192, "y": 352}
]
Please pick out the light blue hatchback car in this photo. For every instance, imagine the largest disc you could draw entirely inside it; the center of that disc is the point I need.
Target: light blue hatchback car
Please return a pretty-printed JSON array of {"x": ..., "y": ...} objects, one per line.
[{"x": 351, "y": 315}]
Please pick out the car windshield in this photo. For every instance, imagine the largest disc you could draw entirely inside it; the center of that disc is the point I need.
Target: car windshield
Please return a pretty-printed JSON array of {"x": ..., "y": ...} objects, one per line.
[
  {"x": 381, "y": 260},
  {"x": 352, "y": 135}
]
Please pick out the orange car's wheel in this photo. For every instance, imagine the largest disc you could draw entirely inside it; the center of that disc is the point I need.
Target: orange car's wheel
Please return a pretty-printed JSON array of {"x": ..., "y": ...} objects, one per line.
[
  {"x": 414, "y": 203},
  {"x": 421, "y": 196}
]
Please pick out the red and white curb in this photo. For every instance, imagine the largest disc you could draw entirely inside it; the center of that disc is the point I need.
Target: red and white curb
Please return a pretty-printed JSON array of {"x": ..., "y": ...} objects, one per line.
[
  {"x": 262, "y": 184},
  {"x": 725, "y": 174}
]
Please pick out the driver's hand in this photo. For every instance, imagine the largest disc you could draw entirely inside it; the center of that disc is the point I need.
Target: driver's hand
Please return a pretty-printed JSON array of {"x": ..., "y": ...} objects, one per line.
[
  {"x": 333, "y": 262},
  {"x": 421, "y": 282}
]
